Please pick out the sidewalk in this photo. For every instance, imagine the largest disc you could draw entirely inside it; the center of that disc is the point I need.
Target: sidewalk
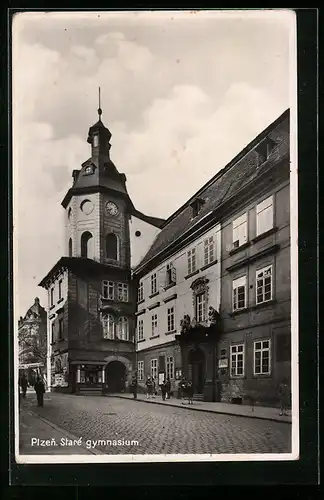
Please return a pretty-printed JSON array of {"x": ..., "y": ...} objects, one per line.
[
  {"x": 39, "y": 436},
  {"x": 260, "y": 412}
]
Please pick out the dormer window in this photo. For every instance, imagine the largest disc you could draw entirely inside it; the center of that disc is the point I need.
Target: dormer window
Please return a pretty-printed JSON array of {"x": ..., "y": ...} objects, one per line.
[
  {"x": 95, "y": 141},
  {"x": 196, "y": 206},
  {"x": 89, "y": 170},
  {"x": 264, "y": 150}
]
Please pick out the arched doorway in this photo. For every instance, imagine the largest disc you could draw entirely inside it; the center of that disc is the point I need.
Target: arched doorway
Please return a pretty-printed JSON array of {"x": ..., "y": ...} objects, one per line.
[
  {"x": 196, "y": 359},
  {"x": 115, "y": 376}
]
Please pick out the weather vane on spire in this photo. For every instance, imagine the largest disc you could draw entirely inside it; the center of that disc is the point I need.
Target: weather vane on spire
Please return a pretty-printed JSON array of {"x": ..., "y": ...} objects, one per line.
[{"x": 99, "y": 109}]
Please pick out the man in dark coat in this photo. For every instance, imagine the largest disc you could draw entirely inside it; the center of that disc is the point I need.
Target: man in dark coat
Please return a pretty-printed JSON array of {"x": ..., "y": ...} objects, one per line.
[
  {"x": 24, "y": 385},
  {"x": 168, "y": 388},
  {"x": 134, "y": 387},
  {"x": 163, "y": 389},
  {"x": 39, "y": 389}
]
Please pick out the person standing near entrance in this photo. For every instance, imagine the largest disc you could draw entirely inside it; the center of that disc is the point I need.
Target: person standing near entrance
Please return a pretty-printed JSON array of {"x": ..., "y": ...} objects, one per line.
[
  {"x": 163, "y": 389},
  {"x": 190, "y": 392},
  {"x": 168, "y": 388},
  {"x": 149, "y": 388},
  {"x": 134, "y": 387},
  {"x": 39, "y": 389},
  {"x": 183, "y": 389}
]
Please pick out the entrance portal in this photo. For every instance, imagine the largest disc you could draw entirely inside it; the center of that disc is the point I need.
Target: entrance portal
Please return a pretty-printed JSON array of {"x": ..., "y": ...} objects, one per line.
[
  {"x": 196, "y": 360},
  {"x": 115, "y": 376}
]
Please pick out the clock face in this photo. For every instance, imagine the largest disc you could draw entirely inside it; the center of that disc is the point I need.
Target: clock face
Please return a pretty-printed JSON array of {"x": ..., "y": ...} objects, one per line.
[{"x": 111, "y": 208}]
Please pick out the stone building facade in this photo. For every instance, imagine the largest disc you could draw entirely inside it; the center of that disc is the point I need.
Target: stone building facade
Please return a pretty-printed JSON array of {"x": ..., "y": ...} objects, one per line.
[
  {"x": 227, "y": 254},
  {"x": 91, "y": 296}
]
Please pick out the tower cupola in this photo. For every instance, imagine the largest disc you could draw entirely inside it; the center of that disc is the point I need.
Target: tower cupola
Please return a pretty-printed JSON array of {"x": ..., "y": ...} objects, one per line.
[{"x": 99, "y": 136}]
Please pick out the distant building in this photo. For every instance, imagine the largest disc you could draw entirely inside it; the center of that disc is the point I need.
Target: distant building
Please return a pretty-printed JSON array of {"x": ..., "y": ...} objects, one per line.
[
  {"x": 213, "y": 301},
  {"x": 91, "y": 296},
  {"x": 32, "y": 341}
]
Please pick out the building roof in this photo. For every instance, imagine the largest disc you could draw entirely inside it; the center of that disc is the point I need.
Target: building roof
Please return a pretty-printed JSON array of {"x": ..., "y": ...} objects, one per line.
[
  {"x": 243, "y": 169},
  {"x": 36, "y": 311}
]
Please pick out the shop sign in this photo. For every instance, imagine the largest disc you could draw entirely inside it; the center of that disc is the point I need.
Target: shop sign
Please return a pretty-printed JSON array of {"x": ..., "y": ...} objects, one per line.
[{"x": 223, "y": 363}]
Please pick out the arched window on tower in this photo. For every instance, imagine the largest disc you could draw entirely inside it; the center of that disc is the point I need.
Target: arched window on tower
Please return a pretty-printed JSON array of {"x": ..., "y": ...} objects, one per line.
[
  {"x": 86, "y": 245},
  {"x": 122, "y": 331},
  {"x": 112, "y": 246},
  {"x": 108, "y": 325},
  {"x": 70, "y": 247}
]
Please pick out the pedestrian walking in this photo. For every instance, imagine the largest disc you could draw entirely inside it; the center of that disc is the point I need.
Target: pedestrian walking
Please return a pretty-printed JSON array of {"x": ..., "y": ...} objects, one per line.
[
  {"x": 183, "y": 389},
  {"x": 168, "y": 388},
  {"x": 134, "y": 387},
  {"x": 149, "y": 388},
  {"x": 284, "y": 396},
  {"x": 190, "y": 392},
  {"x": 39, "y": 389},
  {"x": 24, "y": 385},
  {"x": 163, "y": 390}
]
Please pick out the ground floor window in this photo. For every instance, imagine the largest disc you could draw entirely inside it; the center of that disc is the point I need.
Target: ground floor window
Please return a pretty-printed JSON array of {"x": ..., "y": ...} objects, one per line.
[
  {"x": 140, "y": 369},
  {"x": 170, "y": 367},
  {"x": 237, "y": 360},
  {"x": 154, "y": 368},
  {"x": 262, "y": 357}
]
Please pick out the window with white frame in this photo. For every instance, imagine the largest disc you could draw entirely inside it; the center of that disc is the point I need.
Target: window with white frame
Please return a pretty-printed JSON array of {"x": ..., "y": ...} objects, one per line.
[
  {"x": 154, "y": 325},
  {"x": 171, "y": 322},
  {"x": 171, "y": 274},
  {"x": 60, "y": 289},
  {"x": 108, "y": 289},
  {"x": 52, "y": 296},
  {"x": 140, "y": 370},
  {"x": 153, "y": 283},
  {"x": 154, "y": 368},
  {"x": 140, "y": 330},
  {"x": 209, "y": 250},
  {"x": 122, "y": 328},
  {"x": 262, "y": 364},
  {"x": 264, "y": 214},
  {"x": 264, "y": 285},
  {"x": 170, "y": 367},
  {"x": 122, "y": 289},
  {"x": 240, "y": 231},
  {"x": 140, "y": 291},
  {"x": 237, "y": 360},
  {"x": 239, "y": 293},
  {"x": 192, "y": 261},
  {"x": 201, "y": 307},
  {"x": 108, "y": 323}
]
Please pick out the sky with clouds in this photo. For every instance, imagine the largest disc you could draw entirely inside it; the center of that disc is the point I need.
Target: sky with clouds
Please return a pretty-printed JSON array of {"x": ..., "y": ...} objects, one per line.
[{"x": 182, "y": 94}]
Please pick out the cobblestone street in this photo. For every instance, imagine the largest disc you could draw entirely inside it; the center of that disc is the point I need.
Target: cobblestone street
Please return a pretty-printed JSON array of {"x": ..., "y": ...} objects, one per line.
[{"x": 157, "y": 429}]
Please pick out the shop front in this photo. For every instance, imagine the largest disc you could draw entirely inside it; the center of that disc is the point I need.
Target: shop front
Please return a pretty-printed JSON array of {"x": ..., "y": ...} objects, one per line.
[{"x": 88, "y": 378}]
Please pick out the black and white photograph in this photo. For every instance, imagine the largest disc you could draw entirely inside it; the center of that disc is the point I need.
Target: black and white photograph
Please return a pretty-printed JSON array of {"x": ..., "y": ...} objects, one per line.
[{"x": 155, "y": 230}]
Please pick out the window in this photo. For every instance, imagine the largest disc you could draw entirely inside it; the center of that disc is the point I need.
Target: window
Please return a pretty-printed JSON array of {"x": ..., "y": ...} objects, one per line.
[
  {"x": 264, "y": 212},
  {"x": 60, "y": 328},
  {"x": 240, "y": 231},
  {"x": 154, "y": 325},
  {"x": 153, "y": 283},
  {"x": 196, "y": 206},
  {"x": 95, "y": 141},
  {"x": 111, "y": 246},
  {"x": 123, "y": 331},
  {"x": 122, "y": 292},
  {"x": 52, "y": 296},
  {"x": 239, "y": 293},
  {"x": 191, "y": 261},
  {"x": 60, "y": 289},
  {"x": 237, "y": 360},
  {"x": 200, "y": 307},
  {"x": 171, "y": 325},
  {"x": 262, "y": 357},
  {"x": 171, "y": 274},
  {"x": 140, "y": 292},
  {"x": 140, "y": 330},
  {"x": 140, "y": 369},
  {"x": 264, "y": 285},
  {"x": 85, "y": 244},
  {"x": 70, "y": 247},
  {"x": 108, "y": 290},
  {"x": 209, "y": 250},
  {"x": 108, "y": 323},
  {"x": 154, "y": 368},
  {"x": 170, "y": 367}
]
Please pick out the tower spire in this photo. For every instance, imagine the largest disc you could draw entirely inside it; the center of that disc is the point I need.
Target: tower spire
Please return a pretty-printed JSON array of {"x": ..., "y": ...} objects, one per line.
[{"x": 99, "y": 109}]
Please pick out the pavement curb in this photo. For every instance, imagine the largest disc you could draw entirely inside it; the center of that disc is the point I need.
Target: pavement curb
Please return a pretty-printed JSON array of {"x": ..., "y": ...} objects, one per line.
[
  {"x": 68, "y": 434},
  {"x": 206, "y": 410}
]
